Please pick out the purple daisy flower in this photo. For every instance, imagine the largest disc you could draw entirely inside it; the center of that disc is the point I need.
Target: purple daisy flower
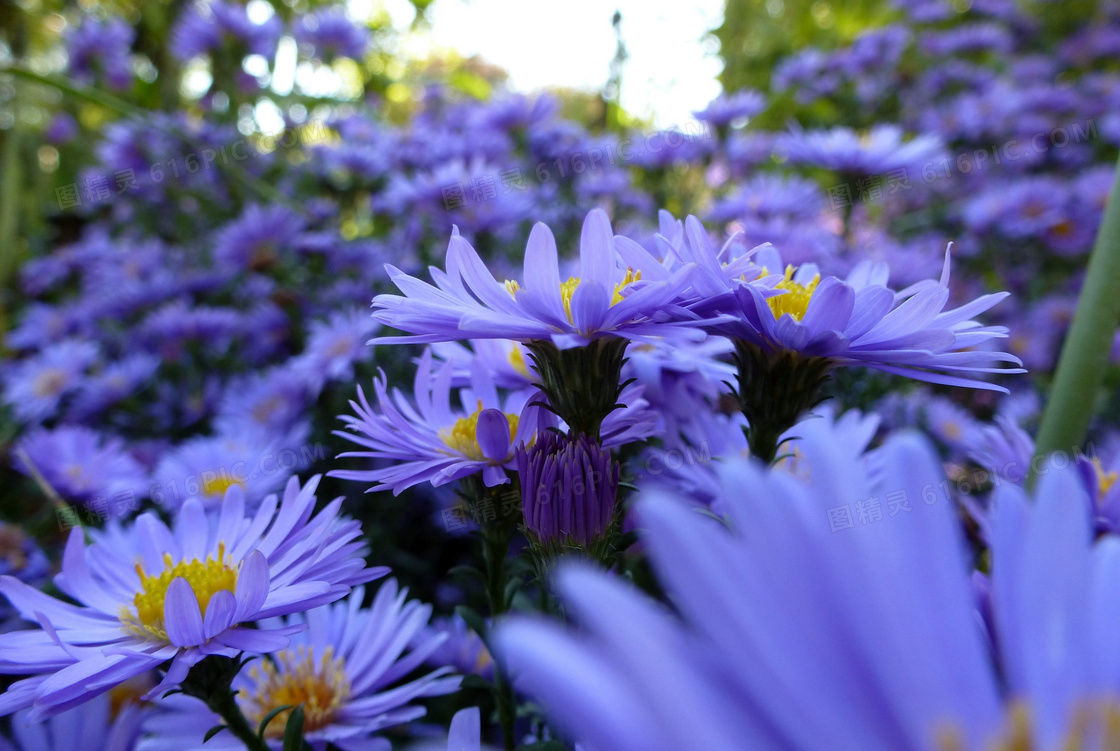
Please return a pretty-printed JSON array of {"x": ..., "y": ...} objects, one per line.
[
  {"x": 462, "y": 649},
  {"x": 82, "y": 464},
  {"x": 349, "y": 661},
  {"x": 97, "y": 725},
  {"x": 257, "y": 239},
  {"x": 428, "y": 441},
  {"x": 334, "y": 346},
  {"x": 332, "y": 34},
  {"x": 860, "y": 321},
  {"x": 204, "y": 468},
  {"x": 150, "y": 593},
  {"x": 788, "y": 633},
  {"x": 876, "y": 152},
  {"x": 729, "y": 107},
  {"x": 606, "y": 300},
  {"x": 101, "y": 50},
  {"x": 205, "y": 27},
  {"x": 35, "y": 387}
]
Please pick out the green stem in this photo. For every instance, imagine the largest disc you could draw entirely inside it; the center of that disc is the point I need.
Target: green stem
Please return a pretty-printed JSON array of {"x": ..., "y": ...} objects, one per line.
[
  {"x": 223, "y": 703},
  {"x": 9, "y": 215},
  {"x": 1088, "y": 344},
  {"x": 495, "y": 546}
]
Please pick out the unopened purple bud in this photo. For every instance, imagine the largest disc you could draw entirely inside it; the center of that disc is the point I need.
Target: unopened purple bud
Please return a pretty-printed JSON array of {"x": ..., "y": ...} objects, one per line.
[{"x": 568, "y": 489}]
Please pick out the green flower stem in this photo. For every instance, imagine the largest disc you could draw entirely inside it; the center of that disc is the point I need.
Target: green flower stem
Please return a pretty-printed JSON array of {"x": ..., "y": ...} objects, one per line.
[
  {"x": 210, "y": 680},
  {"x": 1087, "y": 349},
  {"x": 223, "y": 703},
  {"x": 495, "y": 546}
]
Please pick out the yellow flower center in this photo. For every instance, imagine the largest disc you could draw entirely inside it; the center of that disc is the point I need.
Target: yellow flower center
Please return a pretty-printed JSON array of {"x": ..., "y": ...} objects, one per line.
[
  {"x": 462, "y": 437},
  {"x": 568, "y": 288},
  {"x": 796, "y": 299},
  {"x": 293, "y": 678},
  {"x": 517, "y": 360},
  {"x": 216, "y": 487},
  {"x": 50, "y": 382},
  {"x": 1095, "y": 724},
  {"x": 206, "y": 578},
  {"x": 1105, "y": 480}
]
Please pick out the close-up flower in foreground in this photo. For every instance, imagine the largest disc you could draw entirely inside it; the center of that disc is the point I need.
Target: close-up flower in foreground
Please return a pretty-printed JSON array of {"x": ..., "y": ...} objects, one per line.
[
  {"x": 793, "y": 636},
  {"x": 151, "y": 594}
]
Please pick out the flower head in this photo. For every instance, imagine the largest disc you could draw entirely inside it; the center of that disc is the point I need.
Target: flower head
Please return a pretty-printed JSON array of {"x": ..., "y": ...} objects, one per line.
[
  {"x": 607, "y": 299},
  {"x": 428, "y": 441},
  {"x": 791, "y": 633},
  {"x": 82, "y": 464},
  {"x": 149, "y": 593},
  {"x": 347, "y": 667}
]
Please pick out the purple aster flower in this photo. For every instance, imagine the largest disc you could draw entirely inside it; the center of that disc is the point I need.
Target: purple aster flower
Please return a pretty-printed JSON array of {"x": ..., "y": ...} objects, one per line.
[
  {"x": 332, "y": 34},
  {"x": 40, "y": 324},
  {"x": 97, "y": 725},
  {"x": 35, "y": 387},
  {"x": 728, "y": 107},
  {"x": 149, "y": 593},
  {"x": 173, "y": 328},
  {"x": 461, "y": 648},
  {"x": 569, "y": 491},
  {"x": 860, "y": 321},
  {"x": 876, "y": 152},
  {"x": 428, "y": 441},
  {"x": 82, "y": 464},
  {"x": 1004, "y": 449},
  {"x": 350, "y": 662},
  {"x": 257, "y": 239},
  {"x": 101, "y": 50},
  {"x": 467, "y": 302},
  {"x": 968, "y": 38},
  {"x": 269, "y": 403},
  {"x": 951, "y": 424},
  {"x": 61, "y": 130},
  {"x": 791, "y": 633},
  {"x": 204, "y": 468},
  {"x": 334, "y": 346},
  {"x": 205, "y": 27},
  {"x": 770, "y": 194},
  {"x": 114, "y": 383}
]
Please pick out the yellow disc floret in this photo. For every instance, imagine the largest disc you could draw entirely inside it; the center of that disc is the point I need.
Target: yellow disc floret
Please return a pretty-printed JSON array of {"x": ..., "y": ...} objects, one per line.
[
  {"x": 294, "y": 678},
  {"x": 517, "y": 360},
  {"x": 206, "y": 578},
  {"x": 462, "y": 437},
  {"x": 568, "y": 288},
  {"x": 216, "y": 487},
  {"x": 796, "y": 299},
  {"x": 1105, "y": 480}
]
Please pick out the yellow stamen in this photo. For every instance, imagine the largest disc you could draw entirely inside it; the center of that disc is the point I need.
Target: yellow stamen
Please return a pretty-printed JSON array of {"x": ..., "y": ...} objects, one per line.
[
  {"x": 216, "y": 487},
  {"x": 1105, "y": 480},
  {"x": 462, "y": 437},
  {"x": 206, "y": 578},
  {"x": 796, "y": 299},
  {"x": 517, "y": 360},
  {"x": 294, "y": 678},
  {"x": 568, "y": 288}
]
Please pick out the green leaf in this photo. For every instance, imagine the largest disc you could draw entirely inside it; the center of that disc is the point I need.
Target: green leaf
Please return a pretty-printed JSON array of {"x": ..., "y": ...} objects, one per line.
[
  {"x": 212, "y": 732},
  {"x": 513, "y": 586},
  {"x": 269, "y": 718},
  {"x": 467, "y": 571},
  {"x": 474, "y": 620},
  {"x": 476, "y": 681},
  {"x": 293, "y": 733}
]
